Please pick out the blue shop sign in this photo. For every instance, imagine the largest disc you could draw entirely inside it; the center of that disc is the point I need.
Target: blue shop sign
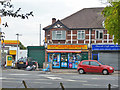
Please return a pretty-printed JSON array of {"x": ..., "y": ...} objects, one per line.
[{"x": 106, "y": 47}]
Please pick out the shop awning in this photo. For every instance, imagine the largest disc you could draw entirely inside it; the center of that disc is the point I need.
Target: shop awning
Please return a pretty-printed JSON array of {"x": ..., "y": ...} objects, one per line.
[{"x": 63, "y": 51}]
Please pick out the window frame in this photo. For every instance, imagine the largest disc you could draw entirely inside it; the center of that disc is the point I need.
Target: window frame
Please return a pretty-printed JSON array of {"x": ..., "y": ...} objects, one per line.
[
  {"x": 99, "y": 31},
  {"x": 81, "y": 31},
  {"x": 60, "y": 33}
]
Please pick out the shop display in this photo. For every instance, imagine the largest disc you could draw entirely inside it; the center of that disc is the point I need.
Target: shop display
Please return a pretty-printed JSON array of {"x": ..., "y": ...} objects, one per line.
[{"x": 65, "y": 60}]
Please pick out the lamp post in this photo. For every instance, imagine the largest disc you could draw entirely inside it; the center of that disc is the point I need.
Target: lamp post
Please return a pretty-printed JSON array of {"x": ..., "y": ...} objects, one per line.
[
  {"x": 17, "y": 43},
  {"x": 40, "y": 34}
]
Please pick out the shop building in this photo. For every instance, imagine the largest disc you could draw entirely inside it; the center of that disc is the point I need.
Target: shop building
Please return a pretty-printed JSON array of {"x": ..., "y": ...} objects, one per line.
[
  {"x": 9, "y": 47},
  {"x": 82, "y": 28},
  {"x": 66, "y": 55}
]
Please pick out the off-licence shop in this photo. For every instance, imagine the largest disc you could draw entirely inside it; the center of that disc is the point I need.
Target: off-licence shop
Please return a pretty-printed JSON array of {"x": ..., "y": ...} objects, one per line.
[{"x": 66, "y": 56}]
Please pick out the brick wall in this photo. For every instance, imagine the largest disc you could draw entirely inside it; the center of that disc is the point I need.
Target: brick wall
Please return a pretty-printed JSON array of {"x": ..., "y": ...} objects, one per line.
[{"x": 74, "y": 37}]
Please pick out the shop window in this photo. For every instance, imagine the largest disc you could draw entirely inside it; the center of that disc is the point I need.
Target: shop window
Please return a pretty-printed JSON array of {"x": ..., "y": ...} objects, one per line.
[
  {"x": 64, "y": 60},
  {"x": 54, "y": 59},
  {"x": 99, "y": 34},
  {"x": 84, "y": 56},
  {"x": 59, "y": 35},
  {"x": 74, "y": 59},
  {"x": 81, "y": 34}
]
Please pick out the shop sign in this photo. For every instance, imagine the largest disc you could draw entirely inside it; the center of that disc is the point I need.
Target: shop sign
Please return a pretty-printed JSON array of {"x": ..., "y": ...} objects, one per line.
[
  {"x": 9, "y": 60},
  {"x": 10, "y": 41},
  {"x": 12, "y": 52},
  {"x": 67, "y": 47},
  {"x": 106, "y": 47}
]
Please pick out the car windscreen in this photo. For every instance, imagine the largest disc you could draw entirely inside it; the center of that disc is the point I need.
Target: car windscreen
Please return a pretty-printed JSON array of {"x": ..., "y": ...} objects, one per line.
[{"x": 101, "y": 63}]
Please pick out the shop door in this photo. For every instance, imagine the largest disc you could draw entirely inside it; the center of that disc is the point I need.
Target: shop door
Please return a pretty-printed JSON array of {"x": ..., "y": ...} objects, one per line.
[
  {"x": 64, "y": 60},
  {"x": 55, "y": 59}
]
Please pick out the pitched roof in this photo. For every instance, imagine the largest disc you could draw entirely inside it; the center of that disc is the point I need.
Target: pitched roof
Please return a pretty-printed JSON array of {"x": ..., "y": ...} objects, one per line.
[{"x": 85, "y": 18}]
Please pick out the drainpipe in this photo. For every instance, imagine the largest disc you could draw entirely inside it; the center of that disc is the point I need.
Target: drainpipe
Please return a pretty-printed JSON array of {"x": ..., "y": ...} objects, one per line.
[
  {"x": 90, "y": 41},
  {"x": 71, "y": 36},
  {"x": 0, "y": 47}
]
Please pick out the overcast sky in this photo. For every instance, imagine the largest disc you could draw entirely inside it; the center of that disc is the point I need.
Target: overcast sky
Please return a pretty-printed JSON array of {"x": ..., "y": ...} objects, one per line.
[{"x": 44, "y": 11}]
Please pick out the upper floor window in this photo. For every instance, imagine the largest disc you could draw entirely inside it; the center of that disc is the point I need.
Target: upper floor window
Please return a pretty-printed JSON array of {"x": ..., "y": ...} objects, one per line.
[
  {"x": 81, "y": 34},
  {"x": 99, "y": 34},
  {"x": 59, "y": 35}
]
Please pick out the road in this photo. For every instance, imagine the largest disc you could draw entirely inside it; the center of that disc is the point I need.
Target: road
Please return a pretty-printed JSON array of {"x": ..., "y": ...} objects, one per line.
[{"x": 12, "y": 78}]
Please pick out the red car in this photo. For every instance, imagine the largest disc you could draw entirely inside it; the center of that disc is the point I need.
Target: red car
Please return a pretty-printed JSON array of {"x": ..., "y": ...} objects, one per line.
[{"x": 94, "y": 66}]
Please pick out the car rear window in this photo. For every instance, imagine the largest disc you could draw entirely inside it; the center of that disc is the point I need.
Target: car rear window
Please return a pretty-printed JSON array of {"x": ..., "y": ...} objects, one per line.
[{"x": 85, "y": 63}]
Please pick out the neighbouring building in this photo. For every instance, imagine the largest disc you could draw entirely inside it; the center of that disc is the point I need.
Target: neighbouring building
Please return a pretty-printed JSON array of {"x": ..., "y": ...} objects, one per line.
[
  {"x": 36, "y": 53},
  {"x": 76, "y": 38},
  {"x": 9, "y": 47}
]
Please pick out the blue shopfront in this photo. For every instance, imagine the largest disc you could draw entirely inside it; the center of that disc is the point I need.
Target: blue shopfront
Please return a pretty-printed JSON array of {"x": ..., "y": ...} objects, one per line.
[
  {"x": 107, "y": 54},
  {"x": 66, "y": 58}
]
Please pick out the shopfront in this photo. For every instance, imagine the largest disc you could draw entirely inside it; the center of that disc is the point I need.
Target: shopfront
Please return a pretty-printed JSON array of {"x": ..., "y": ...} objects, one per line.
[
  {"x": 107, "y": 54},
  {"x": 66, "y": 56}
]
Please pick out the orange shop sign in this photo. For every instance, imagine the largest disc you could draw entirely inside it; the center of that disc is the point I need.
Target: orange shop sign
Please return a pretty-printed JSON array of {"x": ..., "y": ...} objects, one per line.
[
  {"x": 67, "y": 47},
  {"x": 12, "y": 52},
  {"x": 10, "y": 41}
]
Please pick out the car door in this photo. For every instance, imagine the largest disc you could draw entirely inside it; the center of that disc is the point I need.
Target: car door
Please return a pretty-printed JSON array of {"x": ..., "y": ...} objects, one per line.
[
  {"x": 94, "y": 67},
  {"x": 85, "y": 66}
]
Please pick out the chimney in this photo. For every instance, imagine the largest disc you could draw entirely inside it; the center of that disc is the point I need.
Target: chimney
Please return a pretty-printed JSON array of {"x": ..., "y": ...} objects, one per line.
[{"x": 53, "y": 20}]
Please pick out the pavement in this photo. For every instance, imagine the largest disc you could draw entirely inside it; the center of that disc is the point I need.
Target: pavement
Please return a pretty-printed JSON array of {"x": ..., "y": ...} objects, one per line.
[{"x": 63, "y": 71}]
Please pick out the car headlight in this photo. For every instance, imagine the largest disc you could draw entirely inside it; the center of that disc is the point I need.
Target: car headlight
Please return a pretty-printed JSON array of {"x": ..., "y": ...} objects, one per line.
[{"x": 111, "y": 68}]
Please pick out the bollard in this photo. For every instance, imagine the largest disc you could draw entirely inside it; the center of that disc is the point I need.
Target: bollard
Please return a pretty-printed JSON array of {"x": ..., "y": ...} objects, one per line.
[
  {"x": 109, "y": 86},
  {"x": 24, "y": 84},
  {"x": 62, "y": 86}
]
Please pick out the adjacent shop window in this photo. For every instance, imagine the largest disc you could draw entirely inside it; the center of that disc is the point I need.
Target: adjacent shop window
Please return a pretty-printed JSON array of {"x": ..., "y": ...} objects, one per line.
[
  {"x": 94, "y": 63},
  {"x": 81, "y": 34},
  {"x": 99, "y": 34},
  {"x": 59, "y": 35}
]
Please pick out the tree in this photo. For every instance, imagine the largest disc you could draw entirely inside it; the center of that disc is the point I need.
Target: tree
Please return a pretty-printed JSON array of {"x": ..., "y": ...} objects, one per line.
[
  {"x": 11, "y": 13},
  {"x": 112, "y": 20},
  {"x": 22, "y": 46}
]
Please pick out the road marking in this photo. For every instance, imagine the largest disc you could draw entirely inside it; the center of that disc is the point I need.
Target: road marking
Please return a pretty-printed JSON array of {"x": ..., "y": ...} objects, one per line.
[
  {"x": 70, "y": 80},
  {"x": 19, "y": 74},
  {"x": 40, "y": 79},
  {"x": 91, "y": 85},
  {"x": 115, "y": 85},
  {"x": 2, "y": 78},
  {"x": 54, "y": 78},
  {"x": 13, "y": 81}
]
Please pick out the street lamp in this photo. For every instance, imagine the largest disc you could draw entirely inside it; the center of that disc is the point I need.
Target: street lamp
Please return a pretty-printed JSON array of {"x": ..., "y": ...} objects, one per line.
[{"x": 17, "y": 43}]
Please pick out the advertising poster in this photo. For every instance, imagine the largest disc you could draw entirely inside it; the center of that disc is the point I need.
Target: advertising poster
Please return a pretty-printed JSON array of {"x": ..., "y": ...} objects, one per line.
[{"x": 9, "y": 60}]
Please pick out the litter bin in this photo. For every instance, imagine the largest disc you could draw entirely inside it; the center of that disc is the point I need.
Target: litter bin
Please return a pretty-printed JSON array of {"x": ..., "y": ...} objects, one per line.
[{"x": 47, "y": 66}]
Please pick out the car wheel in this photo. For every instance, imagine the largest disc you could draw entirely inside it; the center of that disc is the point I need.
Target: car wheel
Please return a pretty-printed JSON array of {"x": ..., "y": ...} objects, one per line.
[
  {"x": 105, "y": 72},
  {"x": 81, "y": 71}
]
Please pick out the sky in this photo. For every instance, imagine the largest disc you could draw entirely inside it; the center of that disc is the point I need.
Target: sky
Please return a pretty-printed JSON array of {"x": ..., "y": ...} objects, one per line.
[{"x": 44, "y": 11}]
